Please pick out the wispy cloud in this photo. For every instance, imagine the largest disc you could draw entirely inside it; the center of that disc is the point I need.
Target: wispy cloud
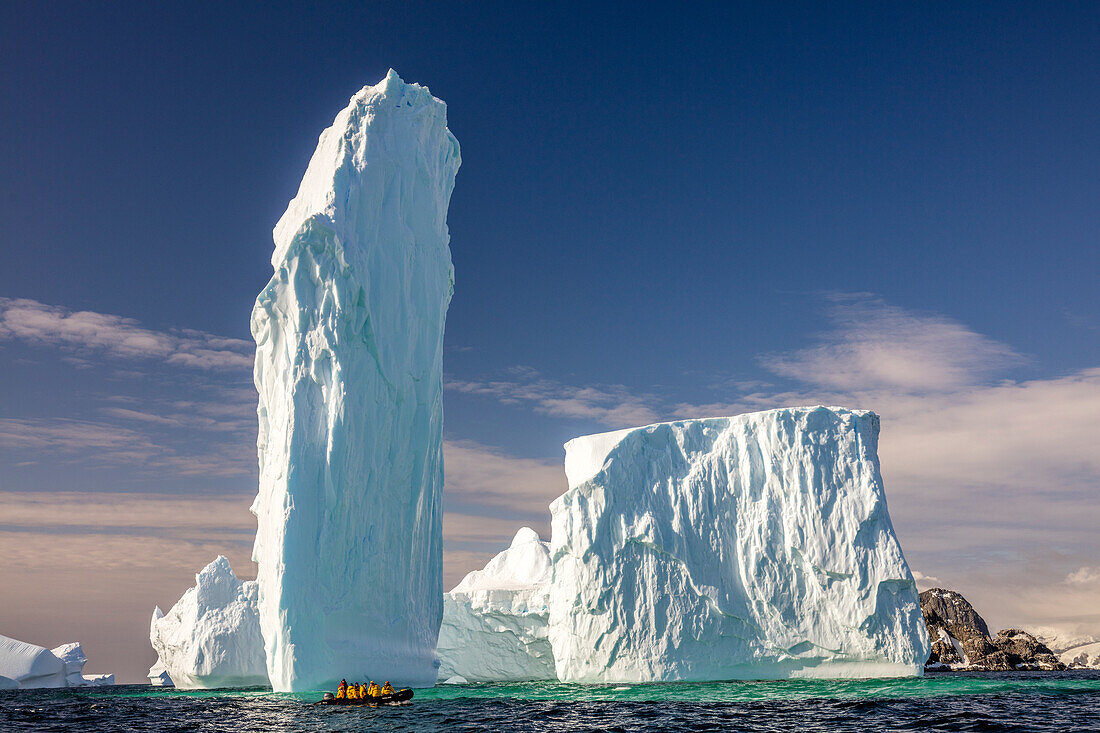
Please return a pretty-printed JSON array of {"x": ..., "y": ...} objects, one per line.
[
  {"x": 606, "y": 404},
  {"x": 925, "y": 581},
  {"x": 86, "y": 332},
  {"x": 489, "y": 481},
  {"x": 873, "y": 345},
  {"x": 1084, "y": 576},
  {"x": 136, "y": 447}
]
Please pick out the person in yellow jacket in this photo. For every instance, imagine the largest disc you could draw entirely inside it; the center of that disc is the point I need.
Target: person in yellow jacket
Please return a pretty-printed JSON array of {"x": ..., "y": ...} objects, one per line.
[
  {"x": 373, "y": 690},
  {"x": 353, "y": 691},
  {"x": 342, "y": 690},
  {"x": 387, "y": 689}
]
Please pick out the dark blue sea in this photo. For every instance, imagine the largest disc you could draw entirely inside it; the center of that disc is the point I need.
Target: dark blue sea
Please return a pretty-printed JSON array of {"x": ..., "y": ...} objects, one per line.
[{"x": 942, "y": 702}]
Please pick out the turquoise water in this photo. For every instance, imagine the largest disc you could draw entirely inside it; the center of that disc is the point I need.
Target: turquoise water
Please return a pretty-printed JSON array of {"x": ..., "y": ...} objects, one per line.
[
  {"x": 933, "y": 685},
  {"x": 1013, "y": 701}
]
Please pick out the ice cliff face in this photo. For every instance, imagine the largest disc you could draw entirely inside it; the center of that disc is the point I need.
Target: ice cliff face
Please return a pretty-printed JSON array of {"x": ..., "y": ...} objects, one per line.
[
  {"x": 495, "y": 621},
  {"x": 211, "y": 637},
  {"x": 756, "y": 546},
  {"x": 349, "y": 336}
]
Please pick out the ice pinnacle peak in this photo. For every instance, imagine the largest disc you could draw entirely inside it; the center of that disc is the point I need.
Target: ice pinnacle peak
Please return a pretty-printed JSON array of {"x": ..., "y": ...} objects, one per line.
[
  {"x": 343, "y": 151},
  {"x": 525, "y": 536}
]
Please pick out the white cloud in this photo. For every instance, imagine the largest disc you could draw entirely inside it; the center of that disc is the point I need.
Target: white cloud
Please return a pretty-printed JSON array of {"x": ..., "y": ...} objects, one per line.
[
  {"x": 877, "y": 346},
  {"x": 925, "y": 581},
  {"x": 105, "y": 444},
  {"x": 117, "y": 337},
  {"x": 1084, "y": 576}
]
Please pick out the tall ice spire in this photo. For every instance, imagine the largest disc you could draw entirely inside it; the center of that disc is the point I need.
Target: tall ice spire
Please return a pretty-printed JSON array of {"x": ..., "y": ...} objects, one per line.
[{"x": 349, "y": 367}]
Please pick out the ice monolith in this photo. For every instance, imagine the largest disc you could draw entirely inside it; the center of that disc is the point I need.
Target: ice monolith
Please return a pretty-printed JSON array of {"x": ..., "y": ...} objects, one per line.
[
  {"x": 349, "y": 366},
  {"x": 749, "y": 547}
]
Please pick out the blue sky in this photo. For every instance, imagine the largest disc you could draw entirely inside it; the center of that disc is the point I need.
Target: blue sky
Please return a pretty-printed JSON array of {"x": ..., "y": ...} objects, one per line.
[{"x": 675, "y": 212}]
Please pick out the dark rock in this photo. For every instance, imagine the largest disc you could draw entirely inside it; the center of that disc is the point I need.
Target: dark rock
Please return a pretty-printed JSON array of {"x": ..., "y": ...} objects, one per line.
[
  {"x": 952, "y": 609},
  {"x": 954, "y": 625},
  {"x": 1025, "y": 651}
]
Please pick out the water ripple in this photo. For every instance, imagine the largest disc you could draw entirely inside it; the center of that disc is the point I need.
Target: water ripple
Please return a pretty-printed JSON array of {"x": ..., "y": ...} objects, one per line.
[{"x": 1034, "y": 702}]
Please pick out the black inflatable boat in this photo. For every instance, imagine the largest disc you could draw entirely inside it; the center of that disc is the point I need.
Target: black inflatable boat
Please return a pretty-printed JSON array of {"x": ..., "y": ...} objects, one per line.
[{"x": 399, "y": 696}]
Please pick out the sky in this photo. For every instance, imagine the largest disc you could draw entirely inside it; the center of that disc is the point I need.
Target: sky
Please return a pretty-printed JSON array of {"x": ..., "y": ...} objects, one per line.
[{"x": 662, "y": 213}]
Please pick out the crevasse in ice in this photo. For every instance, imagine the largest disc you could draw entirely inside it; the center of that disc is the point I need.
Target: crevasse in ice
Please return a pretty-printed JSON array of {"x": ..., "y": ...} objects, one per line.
[{"x": 349, "y": 337}]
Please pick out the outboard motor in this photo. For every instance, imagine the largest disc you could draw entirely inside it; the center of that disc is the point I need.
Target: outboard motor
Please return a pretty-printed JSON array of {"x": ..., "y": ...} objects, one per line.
[{"x": 329, "y": 696}]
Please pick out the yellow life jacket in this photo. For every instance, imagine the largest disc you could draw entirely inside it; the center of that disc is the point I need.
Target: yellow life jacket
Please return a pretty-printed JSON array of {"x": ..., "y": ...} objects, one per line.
[
  {"x": 353, "y": 692},
  {"x": 341, "y": 692},
  {"x": 387, "y": 689}
]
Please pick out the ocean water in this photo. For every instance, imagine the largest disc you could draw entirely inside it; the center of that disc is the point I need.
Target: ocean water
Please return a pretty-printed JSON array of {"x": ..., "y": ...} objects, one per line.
[{"x": 940, "y": 702}]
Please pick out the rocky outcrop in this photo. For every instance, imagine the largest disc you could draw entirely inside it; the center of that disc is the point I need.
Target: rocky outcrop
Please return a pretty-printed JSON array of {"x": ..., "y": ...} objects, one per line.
[
  {"x": 961, "y": 639},
  {"x": 1024, "y": 651}
]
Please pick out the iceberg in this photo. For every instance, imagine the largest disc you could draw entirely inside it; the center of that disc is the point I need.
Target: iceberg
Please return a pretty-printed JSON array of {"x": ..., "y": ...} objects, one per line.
[
  {"x": 495, "y": 621},
  {"x": 158, "y": 674},
  {"x": 30, "y": 665},
  {"x": 748, "y": 547},
  {"x": 211, "y": 636},
  {"x": 73, "y": 658},
  {"x": 27, "y": 666},
  {"x": 349, "y": 369}
]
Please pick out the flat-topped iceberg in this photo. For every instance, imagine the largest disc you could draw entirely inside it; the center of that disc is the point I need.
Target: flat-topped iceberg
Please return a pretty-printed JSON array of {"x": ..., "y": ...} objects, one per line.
[
  {"x": 28, "y": 666},
  {"x": 748, "y": 547},
  {"x": 211, "y": 636},
  {"x": 349, "y": 367},
  {"x": 495, "y": 621}
]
